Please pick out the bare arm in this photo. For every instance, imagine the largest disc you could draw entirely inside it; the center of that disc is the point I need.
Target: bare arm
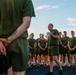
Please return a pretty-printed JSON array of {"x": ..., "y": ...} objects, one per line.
[
  {"x": 21, "y": 29},
  {"x": 55, "y": 36},
  {"x": 46, "y": 45},
  {"x": 63, "y": 45},
  {"x": 31, "y": 47},
  {"x": 18, "y": 32},
  {"x": 40, "y": 46},
  {"x": 2, "y": 49},
  {"x": 69, "y": 45}
]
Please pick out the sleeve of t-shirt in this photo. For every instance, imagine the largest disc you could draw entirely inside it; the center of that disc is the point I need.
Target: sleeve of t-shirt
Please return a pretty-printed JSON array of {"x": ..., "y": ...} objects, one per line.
[
  {"x": 75, "y": 40},
  {"x": 0, "y": 15},
  {"x": 61, "y": 40},
  {"x": 28, "y": 9},
  {"x": 69, "y": 39},
  {"x": 56, "y": 32},
  {"x": 38, "y": 41}
]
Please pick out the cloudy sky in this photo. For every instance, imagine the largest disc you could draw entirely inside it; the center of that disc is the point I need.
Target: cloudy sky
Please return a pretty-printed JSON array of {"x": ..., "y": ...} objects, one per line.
[{"x": 62, "y": 13}]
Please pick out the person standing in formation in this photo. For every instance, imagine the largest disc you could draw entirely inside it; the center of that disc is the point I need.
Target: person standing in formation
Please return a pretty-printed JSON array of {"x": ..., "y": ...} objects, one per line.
[{"x": 15, "y": 19}]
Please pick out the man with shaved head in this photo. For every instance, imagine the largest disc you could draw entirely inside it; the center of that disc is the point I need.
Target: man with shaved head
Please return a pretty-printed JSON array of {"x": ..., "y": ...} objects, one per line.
[{"x": 53, "y": 47}]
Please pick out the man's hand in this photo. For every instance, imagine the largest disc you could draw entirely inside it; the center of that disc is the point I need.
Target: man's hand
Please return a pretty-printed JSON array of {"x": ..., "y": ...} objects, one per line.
[
  {"x": 49, "y": 33},
  {"x": 2, "y": 49},
  {"x": 65, "y": 47},
  {"x": 4, "y": 41},
  {"x": 71, "y": 49}
]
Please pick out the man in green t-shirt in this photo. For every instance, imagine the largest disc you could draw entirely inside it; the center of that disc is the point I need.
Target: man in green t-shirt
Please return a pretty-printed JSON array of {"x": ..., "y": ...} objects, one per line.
[
  {"x": 32, "y": 55},
  {"x": 64, "y": 44},
  {"x": 53, "y": 47},
  {"x": 15, "y": 18},
  {"x": 42, "y": 44},
  {"x": 72, "y": 48}
]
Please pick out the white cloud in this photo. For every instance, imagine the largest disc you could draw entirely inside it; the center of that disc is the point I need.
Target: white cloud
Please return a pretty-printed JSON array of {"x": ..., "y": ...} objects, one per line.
[
  {"x": 71, "y": 19},
  {"x": 66, "y": 29},
  {"x": 55, "y": 7},
  {"x": 72, "y": 24},
  {"x": 46, "y": 6},
  {"x": 42, "y": 7}
]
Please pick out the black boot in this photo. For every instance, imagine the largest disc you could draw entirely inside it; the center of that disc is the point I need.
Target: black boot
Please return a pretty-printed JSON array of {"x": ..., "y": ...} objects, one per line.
[
  {"x": 49, "y": 73},
  {"x": 60, "y": 72}
]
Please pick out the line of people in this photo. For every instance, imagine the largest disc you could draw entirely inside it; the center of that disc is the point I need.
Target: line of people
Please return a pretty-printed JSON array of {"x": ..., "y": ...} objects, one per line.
[{"x": 40, "y": 49}]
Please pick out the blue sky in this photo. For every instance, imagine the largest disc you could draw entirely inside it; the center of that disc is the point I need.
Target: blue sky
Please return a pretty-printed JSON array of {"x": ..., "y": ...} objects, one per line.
[{"x": 62, "y": 13}]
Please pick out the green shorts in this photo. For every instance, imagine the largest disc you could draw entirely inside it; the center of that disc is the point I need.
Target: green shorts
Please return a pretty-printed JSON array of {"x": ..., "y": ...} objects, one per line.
[
  {"x": 73, "y": 52},
  {"x": 18, "y": 53},
  {"x": 60, "y": 49},
  {"x": 53, "y": 50},
  {"x": 65, "y": 51},
  {"x": 39, "y": 51},
  {"x": 31, "y": 51}
]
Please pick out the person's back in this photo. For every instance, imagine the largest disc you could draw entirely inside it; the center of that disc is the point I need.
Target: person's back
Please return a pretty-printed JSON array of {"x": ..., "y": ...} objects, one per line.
[
  {"x": 15, "y": 19},
  {"x": 11, "y": 13}
]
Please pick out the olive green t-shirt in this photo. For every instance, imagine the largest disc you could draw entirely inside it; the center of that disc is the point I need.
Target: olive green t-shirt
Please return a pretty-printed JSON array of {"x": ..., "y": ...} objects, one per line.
[
  {"x": 42, "y": 42},
  {"x": 53, "y": 41},
  {"x": 64, "y": 40},
  {"x": 11, "y": 14},
  {"x": 31, "y": 42},
  {"x": 72, "y": 42}
]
